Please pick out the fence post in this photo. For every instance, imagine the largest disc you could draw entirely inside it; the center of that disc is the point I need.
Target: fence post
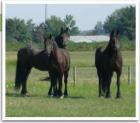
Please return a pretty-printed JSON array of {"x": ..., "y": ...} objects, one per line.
[
  {"x": 129, "y": 74},
  {"x": 74, "y": 75}
]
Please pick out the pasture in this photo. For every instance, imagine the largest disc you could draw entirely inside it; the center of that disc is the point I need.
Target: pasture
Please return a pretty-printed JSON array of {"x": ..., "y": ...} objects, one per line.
[{"x": 83, "y": 98}]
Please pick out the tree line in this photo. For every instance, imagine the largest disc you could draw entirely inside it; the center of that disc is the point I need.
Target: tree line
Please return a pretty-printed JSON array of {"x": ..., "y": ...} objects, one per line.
[
  {"x": 122, "y": 19},
  {"x": 18, "y": 30}
]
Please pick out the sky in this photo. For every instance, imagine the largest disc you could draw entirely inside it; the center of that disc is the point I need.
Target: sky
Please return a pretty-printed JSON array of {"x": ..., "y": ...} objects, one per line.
[{"x": 86, "y": 16}]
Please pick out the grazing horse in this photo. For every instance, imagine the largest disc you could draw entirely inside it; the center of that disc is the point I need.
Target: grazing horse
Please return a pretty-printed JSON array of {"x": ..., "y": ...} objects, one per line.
[
  {"x": 107, "y": 61},
  {"x": 59, "y": 65}
]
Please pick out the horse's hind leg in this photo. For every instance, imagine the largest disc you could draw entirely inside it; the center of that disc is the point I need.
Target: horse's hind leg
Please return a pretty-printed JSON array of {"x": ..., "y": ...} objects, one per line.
[
  {"x": 65, "y": 81},
  {"x": 118, "y": 95},
  {"x": 24, "y": 80}
]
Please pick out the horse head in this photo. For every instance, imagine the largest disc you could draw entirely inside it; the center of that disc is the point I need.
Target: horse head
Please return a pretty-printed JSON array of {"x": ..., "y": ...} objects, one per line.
[
  {"x": 65, "y": 35},
  {"x": 114, "y": 42},
  {"x": 49, "y": 44}
]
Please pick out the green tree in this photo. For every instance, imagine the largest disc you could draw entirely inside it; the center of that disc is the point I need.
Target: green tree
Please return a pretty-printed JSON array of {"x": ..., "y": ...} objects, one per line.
[
  {"x": 30, "y": 29},
  {"x": 71, "y": 24},
  {"x": 98, "y": 30},
  {"x": 16, "y": 30},
  {"x": 53, "y": 25},
  {"x": 124, "y": 20},
  {"x": 38, "y": 33}
]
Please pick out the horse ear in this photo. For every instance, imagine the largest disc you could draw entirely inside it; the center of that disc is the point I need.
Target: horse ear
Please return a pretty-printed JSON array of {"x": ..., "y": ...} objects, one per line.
[
  {"x": 67, "y": 29},
  {"x": 62, "y": 30},
  {"x": 117, "y": 32},
  {"x": 112, "y": 33},
  {"x": 50, "y": 36}
]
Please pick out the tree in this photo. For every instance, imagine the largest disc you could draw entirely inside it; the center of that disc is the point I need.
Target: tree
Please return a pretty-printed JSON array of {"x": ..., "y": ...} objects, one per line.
[
  {"x": 16, "y": 29},
  {"x": 70, "y": 23},
  {"x": 124, "y": 20},
  {"x": 38, "y": 33},
  {"x": 30, "y": 29},
  {"x": 53, "y": 25},
  {"x": 98, "y": 30}
]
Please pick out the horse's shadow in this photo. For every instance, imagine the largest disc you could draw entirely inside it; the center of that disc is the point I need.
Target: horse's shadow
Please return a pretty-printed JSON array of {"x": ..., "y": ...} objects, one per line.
[
  {"x": 75, "y": 97},
  {"x": 19, "y": 95}
]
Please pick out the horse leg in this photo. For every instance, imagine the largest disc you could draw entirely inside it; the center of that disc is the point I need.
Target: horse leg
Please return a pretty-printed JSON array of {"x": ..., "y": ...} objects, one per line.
[
  {"x": 108, "y": 94},
  {"x": 60, "y": 86},
  {"x": 50, "y": 92},
  {"x": 100, "y": 87},
  {"x": 54, "y": 84},
  {"x": 100, "y": 84},
  {"x": 24, "y": 80},
  {"x": 65, "y": 81},
  {"x": 118, "y": 95}
]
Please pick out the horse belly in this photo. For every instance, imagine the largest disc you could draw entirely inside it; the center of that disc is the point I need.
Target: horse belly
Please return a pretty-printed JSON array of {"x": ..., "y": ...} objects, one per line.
[{"x": 41, "y": 66}]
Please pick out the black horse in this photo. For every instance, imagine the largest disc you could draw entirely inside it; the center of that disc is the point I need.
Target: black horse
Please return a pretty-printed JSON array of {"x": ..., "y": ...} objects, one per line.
[
  {"x": 62, "y": 37},
  {"x": 29, "y": 57},
  {"x": 59, "y": 65},
  {"x": 107, "y": 61},
  {"x": 26, "y": 59}
]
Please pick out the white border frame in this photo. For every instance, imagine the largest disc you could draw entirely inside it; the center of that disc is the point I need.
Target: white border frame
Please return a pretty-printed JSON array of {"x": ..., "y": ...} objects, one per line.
[{"x": 136, "y": 2}]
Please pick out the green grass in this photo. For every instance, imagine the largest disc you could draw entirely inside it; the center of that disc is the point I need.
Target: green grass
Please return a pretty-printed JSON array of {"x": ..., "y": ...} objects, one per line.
[{"x": 82, "y": 100}]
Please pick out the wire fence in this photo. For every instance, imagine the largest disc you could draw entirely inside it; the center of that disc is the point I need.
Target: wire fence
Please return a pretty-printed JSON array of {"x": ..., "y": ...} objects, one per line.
[{"x": 89, "y": 74}]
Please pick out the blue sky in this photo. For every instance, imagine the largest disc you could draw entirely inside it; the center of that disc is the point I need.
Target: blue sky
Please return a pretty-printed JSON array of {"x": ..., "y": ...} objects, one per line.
[{"x": 86, "y": 16}]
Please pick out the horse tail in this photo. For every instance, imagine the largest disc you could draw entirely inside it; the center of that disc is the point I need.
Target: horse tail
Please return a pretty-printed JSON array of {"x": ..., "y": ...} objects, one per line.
[{"x": 18, "y": 72}]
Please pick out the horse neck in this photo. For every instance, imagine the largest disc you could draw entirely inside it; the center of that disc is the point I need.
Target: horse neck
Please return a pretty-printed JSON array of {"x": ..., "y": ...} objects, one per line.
[
  {"x": 55, "y": 50},
  {"x": 109, "y": 50}
]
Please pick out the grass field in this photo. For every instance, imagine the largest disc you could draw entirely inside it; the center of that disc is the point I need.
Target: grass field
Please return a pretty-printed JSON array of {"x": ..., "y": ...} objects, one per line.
[{"x": 82, "y": 100}]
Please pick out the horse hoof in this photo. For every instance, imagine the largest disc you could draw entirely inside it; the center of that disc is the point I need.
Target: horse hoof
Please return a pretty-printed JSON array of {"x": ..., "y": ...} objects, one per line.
[
  {"x": 61, "y": 97},
  {"x": 65, "y": 94},
  {"x": 118, "y": 97},
  {"x": 25, "y": 95},
  {"x": 108, "y": 96}
]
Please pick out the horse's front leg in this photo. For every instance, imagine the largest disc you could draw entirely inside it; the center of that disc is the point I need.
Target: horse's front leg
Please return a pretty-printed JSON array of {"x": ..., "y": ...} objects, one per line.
[
  {"x": 118, "y": 95},
  {"x": 65, "y": 81},
  {"x": 108, "y": 80},
  {"x": 52, "y": 89},
  {"x": 100, "y": 87},
  {"x": 60, "y": 85},
  {"x": 100, "y": 84}
]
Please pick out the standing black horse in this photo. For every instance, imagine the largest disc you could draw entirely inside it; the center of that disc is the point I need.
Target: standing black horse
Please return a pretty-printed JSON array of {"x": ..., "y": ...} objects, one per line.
[
  {"x": 29, "y": 57},
  {"x": 59, "y": 65},
  {"x": 26, "y": 59},
  {"x": 62, "y": 37},
  {"x": 107, "y": 61}
]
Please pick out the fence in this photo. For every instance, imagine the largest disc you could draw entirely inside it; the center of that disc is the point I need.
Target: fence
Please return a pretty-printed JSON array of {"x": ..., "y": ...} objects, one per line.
[{"x": 89, "y": 74}]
